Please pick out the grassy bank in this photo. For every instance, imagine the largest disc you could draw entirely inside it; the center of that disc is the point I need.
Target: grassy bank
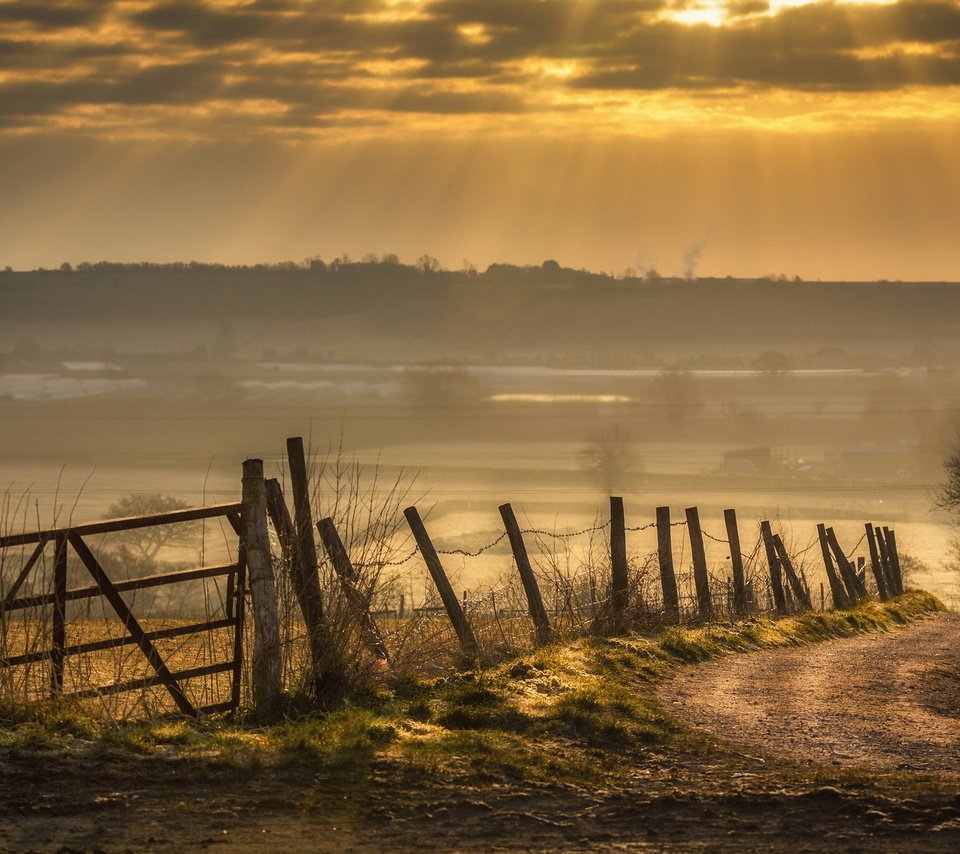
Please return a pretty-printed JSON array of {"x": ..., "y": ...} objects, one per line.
[{"x": 569, "y": 712}]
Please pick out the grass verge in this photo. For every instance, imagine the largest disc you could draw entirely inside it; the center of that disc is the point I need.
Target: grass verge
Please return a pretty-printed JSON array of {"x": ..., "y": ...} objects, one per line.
[{"x": 573, "y": 712}]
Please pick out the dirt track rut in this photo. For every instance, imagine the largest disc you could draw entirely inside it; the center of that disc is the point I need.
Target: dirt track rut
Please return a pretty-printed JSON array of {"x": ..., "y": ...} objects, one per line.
[{"x": 884, "y": 700}]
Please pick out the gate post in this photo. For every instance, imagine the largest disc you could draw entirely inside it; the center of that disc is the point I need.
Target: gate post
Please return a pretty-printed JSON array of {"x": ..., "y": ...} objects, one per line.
[{"x": 263, "y": 593}]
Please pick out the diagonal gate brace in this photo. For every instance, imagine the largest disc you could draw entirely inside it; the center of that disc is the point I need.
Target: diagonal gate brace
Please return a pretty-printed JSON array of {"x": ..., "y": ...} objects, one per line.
[{"x": 112, "y": 595}]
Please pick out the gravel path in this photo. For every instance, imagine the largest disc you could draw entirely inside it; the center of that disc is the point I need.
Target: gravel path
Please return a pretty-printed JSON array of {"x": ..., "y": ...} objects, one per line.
[{"x": 884, "y": 700}]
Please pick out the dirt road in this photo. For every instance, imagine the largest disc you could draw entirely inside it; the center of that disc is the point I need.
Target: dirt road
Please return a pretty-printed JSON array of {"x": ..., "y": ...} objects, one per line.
[{"x": 888, "y": 701}]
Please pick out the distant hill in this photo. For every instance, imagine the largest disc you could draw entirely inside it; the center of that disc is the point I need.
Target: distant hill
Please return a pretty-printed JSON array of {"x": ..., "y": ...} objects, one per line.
[{"x": 504, "y": 305}]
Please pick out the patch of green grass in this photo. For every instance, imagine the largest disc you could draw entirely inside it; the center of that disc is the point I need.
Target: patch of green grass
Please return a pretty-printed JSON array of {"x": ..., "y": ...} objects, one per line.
[{"x": 567, "y": 712}]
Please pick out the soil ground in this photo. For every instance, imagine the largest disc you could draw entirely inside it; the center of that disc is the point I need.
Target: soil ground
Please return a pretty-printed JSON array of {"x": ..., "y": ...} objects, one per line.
[
  {"x": 878, "y": 701},
  {"x": 848, "y": 745}
]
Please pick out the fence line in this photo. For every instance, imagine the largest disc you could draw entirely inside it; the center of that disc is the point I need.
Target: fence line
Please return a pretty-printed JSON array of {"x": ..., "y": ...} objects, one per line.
[{"x": 571, "y": 582}]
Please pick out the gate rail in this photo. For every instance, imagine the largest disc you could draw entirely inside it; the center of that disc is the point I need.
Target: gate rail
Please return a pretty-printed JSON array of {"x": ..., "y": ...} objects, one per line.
[{"x": 72, "y": 536}]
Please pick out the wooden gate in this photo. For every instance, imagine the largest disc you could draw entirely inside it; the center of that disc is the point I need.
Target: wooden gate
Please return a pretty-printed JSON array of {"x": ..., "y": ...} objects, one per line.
[{"x": 72, "y": 538}]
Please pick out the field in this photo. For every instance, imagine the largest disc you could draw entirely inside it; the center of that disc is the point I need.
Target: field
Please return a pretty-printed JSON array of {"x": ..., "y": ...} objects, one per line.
[{"x": 590, "y": 743}]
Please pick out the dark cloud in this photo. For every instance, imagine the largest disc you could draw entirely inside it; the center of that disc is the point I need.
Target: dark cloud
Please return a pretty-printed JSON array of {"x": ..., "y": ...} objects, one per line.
[
  {"x": 742, "y": 8},
  {"x": 51, "y": 15},
  {"x": 323, "y": 62}
]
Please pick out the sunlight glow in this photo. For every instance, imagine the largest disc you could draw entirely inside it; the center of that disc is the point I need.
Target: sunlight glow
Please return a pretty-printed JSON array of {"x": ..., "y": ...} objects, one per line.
[
  {"x": 474, "y": 33},
  {"x": 716, "y": 13},
  {"x": 560, "y": 398}
]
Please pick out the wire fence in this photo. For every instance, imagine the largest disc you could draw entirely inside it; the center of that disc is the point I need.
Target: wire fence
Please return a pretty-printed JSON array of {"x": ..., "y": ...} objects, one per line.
[{"x": 574, "y": 571}]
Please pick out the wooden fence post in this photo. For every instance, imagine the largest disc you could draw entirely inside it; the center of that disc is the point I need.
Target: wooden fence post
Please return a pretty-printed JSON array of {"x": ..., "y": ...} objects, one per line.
[
  {"x": 304, "y": 570},
  {"x": 59, "y": 633},
  {"x": 875, "y": 565},
  {"x": 538, "y": 613},
  {"x": 855, "y": 591},
  {"x": 773, "y": 561},
  {"x": 468, "y": 643},
  {"x": 668, "y": 578},
  {"x": 885, "y": 561},
  {"x": 890, "y": 537},
  {"x": 736, "y": 562},
  {"x": 700, "y": 577},
  {"x": 837, "y": 591},
  {"x": 889, "y": 547},
  {"x": 263, "y": 593},
  {"x": 799, "y": 591},
  {"x": 343, "y": 566},
  {"x": 620, "y": 581}
]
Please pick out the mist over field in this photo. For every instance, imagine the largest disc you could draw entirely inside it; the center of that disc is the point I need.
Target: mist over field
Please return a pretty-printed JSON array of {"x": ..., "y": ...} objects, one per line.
[{"x": 543, "y": 386}]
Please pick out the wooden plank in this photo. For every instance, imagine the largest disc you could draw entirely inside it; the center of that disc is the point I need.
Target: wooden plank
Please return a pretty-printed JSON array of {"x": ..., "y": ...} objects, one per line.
[
  {"x": 461, "y": 625},
  {"x": 239, "y": 612},
  {"x": 701, "y": 579},
  {"x": 349, "y": 582},
  {"x": 875, "y": 565},
  {"x": 736, "y": 562},
  {"x": 59, "y": 617},
  {"x": 24, "y": 572},
  {"x": 773, "y": 561},
  {"x": 149, "y": 682},
  {"x": 112, "y": 595},
  {"x": 668, "y": 577},
  {"x": 620, "y": 581},
  {"x": 127, "y": 523},
  {"x": 304, "y": 570},
  {"x": 263, "y": 594},
  {"x": 113, "y": 643},
  {"x": 850, "y": 581},
  {"x": 837, "y": 591},
  {"x": 538, "y": 613},
  {"x": 799, "y": 591},
  {"x": 122, "y": 586}
]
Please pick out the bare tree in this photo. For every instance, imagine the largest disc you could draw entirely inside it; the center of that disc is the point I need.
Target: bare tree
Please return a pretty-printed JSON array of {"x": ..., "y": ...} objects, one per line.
[
  {"x": 609, "y": 457},
  {"x": 146, "y": 543},
  {"x": 949, "y": 496}
]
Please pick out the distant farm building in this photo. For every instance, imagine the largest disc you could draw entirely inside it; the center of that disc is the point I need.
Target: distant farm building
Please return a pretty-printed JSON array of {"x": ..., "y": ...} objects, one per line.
[{"x": 749, "y": 461}]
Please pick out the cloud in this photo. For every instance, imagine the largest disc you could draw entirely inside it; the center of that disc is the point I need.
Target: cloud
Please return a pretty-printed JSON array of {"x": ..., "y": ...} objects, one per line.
[
  {"x": 50, "y": 15},
  {"x": 365, "y": 61}
]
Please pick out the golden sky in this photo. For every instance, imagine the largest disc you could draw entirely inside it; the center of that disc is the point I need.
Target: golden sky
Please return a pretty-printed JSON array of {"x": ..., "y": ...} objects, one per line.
[{"x": 758, "y": 137}]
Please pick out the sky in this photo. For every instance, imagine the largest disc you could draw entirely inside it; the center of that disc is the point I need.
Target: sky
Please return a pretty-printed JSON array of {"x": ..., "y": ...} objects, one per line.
[{"x": 733, "y": 137}]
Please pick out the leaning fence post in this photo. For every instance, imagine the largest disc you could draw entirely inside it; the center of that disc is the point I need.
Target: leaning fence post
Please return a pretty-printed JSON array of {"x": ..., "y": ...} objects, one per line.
[
  {"x": 802, "y": 595},
  {"x": 875, "y": 564},
  {"x": 891, "y": 538},
  {"x": 468, "y": 643},
  {"x": 736, "y": 562},
  {"x": 538, "y": 613},
  {"x": 773, "y": 561},
  {"x": 885, "y": 561},
  {"x": 854, "y": 589},
  {"x": 306, "y": 579},
  {"x": 837, "y": 591},
  {"x": 700, "y": 577},
  {"x": 668, "y": 578},
  {"x": 620, "y": 581},
  {"x": 263, "y": 593},
  {"x": 343, "y": 566}
]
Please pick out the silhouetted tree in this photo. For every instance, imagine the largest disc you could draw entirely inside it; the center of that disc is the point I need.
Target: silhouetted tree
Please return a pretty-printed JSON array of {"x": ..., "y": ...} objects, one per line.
[
  {"x": 609, "y": 457},
  {"x": 146, "y": 543},
  {"x": 949, "y": 497}
]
